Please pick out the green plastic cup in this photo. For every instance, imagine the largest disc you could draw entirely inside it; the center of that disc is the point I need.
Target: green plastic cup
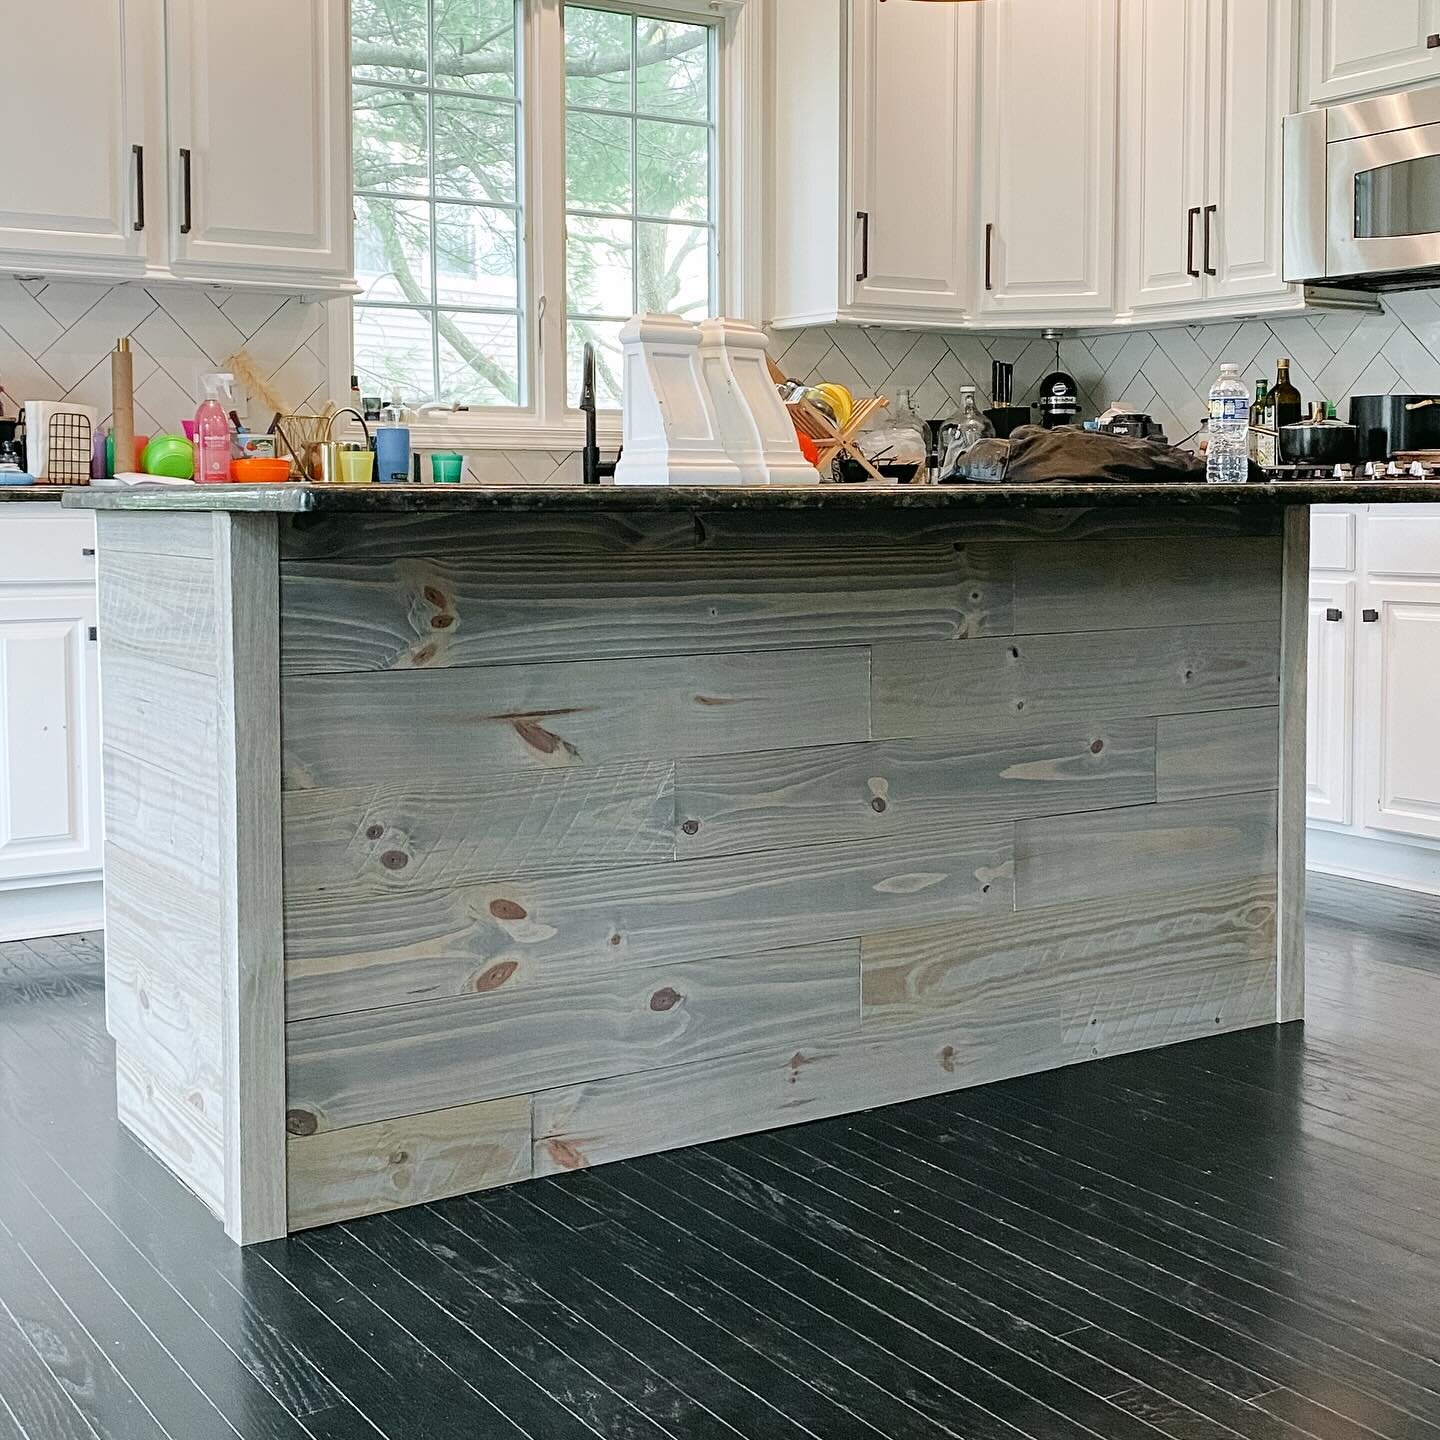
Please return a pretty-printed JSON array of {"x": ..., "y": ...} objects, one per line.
[{"x": 445, "y": 469}]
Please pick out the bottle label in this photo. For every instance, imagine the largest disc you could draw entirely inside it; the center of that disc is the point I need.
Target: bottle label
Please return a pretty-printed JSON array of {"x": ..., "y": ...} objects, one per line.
[{"x": 1230, "y": 410}]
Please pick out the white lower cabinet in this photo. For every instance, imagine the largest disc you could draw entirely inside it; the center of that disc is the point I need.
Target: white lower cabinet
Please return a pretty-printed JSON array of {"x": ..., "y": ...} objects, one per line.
[
  {"x": 50, "y": 825},
  {"x": 1401, "y": 707},
  {"x": 1373, "y": 762},
  {"x": 1329, "y": 728}
]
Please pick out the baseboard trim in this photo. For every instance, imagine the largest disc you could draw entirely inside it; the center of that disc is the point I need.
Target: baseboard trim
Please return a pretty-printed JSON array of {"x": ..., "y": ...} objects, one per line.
[
  {"x": 60, "y": 909},
  {"x": 1380, "y": 862}
]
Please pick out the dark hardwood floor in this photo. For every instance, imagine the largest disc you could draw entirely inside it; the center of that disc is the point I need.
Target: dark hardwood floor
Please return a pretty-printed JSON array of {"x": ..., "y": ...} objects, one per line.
[{"x": 1235, "y": 1237}]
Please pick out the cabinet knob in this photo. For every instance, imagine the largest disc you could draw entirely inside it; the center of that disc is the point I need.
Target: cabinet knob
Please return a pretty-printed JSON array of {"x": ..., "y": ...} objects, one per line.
[
  {"x": 87, "y": 549},
  {"x": 1369, "y": 616},
  {"x": 1432, "y": 42},
  {"x": 1332, "y": 614}
]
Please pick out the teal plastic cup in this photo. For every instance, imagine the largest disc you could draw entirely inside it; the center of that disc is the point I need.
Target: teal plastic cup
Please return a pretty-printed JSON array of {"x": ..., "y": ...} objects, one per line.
[{"x": 445, "y": 469}]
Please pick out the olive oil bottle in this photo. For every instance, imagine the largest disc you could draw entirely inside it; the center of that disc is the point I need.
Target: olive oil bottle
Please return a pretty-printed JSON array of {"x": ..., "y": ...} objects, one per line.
[{"x": 1285, "y": 402}]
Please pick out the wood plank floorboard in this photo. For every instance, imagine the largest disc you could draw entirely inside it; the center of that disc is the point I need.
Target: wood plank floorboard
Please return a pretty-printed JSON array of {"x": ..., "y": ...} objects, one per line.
[{"x": 1239, "y": 1237}]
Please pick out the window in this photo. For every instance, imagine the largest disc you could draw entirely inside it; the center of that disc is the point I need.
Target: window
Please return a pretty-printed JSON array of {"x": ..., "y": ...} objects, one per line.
[
  {"x": 458, "y": 223},
  {"x": 438, "y": 200},
  {"x": 639, "y": 148}
]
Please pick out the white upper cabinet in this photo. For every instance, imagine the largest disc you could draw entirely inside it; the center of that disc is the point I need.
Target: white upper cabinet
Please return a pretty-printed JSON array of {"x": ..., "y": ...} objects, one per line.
[
  {"x": 197, "y": 140},
  {"x": 874, "y": 173},
  {"x": 1358, "y": 47},
  {"x": 1206, "y": 84},
  {"x": 1163, "y": 47},
  {"x": 71, "y": 74},
  {"x": 1252, "y": 88},
  {"x": 259, "y": 97},
  {"x": 1047, "y": 142}
]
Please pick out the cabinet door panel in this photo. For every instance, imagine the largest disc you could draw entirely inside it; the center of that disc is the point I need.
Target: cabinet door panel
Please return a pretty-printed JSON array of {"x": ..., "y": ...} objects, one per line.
[
  {"x": 1401, "y": 699},
  {"x": 259, "y": 97},
  {"x": 1048, "y": 155},
  {"x": 1162, "y": 128},
  {"x": 1251, "y": 89},
  {"x": 912, "y": 141},
  {"x": 1361, "y": 46},
  {"x": 49, "y": 746},
  {"x": 1329, "y": 727},
  {"x": 71, "y": 107}
]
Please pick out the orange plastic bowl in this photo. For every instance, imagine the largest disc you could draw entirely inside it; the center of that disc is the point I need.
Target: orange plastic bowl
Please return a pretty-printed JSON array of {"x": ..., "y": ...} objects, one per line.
[{"x": 260, "y": 470}]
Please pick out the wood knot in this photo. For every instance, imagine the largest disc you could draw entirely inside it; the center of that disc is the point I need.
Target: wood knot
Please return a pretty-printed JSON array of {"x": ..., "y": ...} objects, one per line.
[
  {"x": 425, "y": 654},
  {"x": 1014, "y": 653},
  {"x": 1096, "y": 746},
  {"x": 399, "y": 1157},
  {"x": 300, "y": 1122},
  {"x": 878, "y": 805},
  {"x": 508, "y": 910},
  {"x": 947, "y": 1059},
  {"x": 566, "y": 1155},
  {"x": 691, "y": 827},
  {"x": 374, "y": 832},
  {"x": 615, "y": 939},
  {"x": 494, "y": 977},
  {"x": 441, "y": 622},
  {"x": 665, "y": 999},
  {"x": 394, "y": 859},
  {"x": 435, "y": 597}
]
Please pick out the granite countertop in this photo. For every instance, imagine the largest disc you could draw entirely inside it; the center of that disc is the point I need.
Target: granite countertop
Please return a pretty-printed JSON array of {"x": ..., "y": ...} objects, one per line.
[
  {"x": 399, "y": 499},
  {"x": 37, "y": 492}
]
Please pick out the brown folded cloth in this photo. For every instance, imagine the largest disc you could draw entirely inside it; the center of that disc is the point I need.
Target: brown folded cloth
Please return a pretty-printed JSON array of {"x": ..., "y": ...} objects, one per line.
[{"x": 1032, "y": 456}]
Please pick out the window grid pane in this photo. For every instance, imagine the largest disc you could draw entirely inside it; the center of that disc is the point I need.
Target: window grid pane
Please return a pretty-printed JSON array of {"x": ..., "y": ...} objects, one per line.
[
  {"x": 467, "y": 306},
  {"x": 654, "y": 226}
]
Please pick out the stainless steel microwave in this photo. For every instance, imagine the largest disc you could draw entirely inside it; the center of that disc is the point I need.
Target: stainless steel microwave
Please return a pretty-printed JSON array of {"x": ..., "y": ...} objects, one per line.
[{"x": 1362, "y": 193}]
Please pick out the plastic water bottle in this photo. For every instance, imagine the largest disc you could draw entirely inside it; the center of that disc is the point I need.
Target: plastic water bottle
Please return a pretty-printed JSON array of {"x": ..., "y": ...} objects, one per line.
[{"x": 1229, "y": 429}]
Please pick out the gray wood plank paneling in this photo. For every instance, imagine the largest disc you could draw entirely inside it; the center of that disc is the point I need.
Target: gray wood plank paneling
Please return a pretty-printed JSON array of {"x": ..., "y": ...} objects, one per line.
[
  {"x": 352, "y": 1069},
  {"x": 729, "y": 804},
  {"x": 346, "y": 951},
  {"x": 378, "y": 538},
  {"x": 1103, "y": 949},
  {"x": 1224, "y": 752},
  {"x": 431, "y": 835},
  {"x": 994, "y": 687},
  {"x": 1126, "y": 584},
  {"x": 807, "y": 1079},
  {"x": 338, "y": 1174},
  {"x": 152, "y": 710},
  {"x": 177, "y": 1125},
  {"x": 750, "y": 529},
  {"x": 1294, "y": 640},
  {"x": 348, "y": 729},
  {"x": 159, "y": 534},
  {"x": 416, "y": 613},
  {"x": 247, "y": 580},
  {"x": 161, "y": 607},
  {"x": 1140, "y": 850}
]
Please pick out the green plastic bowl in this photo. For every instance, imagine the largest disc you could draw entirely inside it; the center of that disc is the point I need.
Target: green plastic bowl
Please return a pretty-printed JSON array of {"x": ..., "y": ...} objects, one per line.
[{"x": 170, "y": 456}]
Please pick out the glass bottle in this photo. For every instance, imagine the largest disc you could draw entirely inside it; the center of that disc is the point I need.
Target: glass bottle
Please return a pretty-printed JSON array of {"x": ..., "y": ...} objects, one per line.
[
  {"x": 897, "y": 445},
  {"x": 1285, "y": 397},
  {"x": 963, "y": 429},
  {"x": 1263, "y": 449}
]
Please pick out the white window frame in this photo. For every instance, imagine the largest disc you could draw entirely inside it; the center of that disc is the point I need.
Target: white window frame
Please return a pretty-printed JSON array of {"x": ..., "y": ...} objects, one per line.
[{"x": 547, "y": 422}]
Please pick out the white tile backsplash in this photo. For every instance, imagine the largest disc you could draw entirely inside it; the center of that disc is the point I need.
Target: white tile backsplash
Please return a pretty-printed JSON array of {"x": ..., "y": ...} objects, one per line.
[{"x": 56, "y": 338}]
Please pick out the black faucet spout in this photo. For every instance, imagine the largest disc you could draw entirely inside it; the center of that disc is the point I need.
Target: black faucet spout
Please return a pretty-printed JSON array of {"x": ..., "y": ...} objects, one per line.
[{"x": 593, "y": 469}]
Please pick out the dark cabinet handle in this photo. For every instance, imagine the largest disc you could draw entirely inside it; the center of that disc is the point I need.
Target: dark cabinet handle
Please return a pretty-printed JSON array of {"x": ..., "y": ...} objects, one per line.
[
  {"x": 1369, "y": 616},
  {"x": 989, "y": 256},
  {"x": 1332, "y": 614},
  {"x": 92, "y": 633},
  {"x": 185, "y": 188},
  {"x": 863, "y": 216},
  {"x": 87, "y": 549},
  {"x": 1432, "y": 42},
  {"x": 1209, "y": 216},
  {"x": 1190, "y": 218},
  {"x": 138, "y": 151}
]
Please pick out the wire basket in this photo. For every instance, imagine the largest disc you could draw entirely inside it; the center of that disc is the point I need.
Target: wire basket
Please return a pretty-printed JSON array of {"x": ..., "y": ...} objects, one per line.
[
  {"x": 68, "y": 445},
  {"x": 298, "y": 437}
]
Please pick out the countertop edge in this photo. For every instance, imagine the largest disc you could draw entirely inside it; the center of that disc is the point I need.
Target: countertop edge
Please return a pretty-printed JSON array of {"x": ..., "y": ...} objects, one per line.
[{"x": 407, "y": 499}]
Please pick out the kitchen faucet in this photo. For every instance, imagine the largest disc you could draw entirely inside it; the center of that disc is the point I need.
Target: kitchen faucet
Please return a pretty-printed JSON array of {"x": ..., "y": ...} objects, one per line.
[{"x": 593, "y": 468}]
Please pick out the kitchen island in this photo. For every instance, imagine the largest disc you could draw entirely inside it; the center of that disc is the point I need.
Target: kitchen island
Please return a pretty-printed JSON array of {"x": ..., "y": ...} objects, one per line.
[{"x": 460, "y": 835}]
